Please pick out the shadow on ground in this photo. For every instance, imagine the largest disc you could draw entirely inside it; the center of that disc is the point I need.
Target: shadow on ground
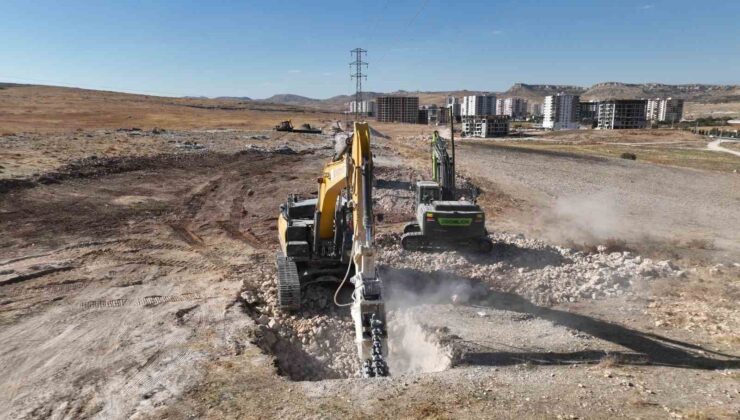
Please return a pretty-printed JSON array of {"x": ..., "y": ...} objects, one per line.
[
  {"x": 520, "y": 257},
  {"x": 413, "y": 287},
  {"x": 392, "y": 184}
]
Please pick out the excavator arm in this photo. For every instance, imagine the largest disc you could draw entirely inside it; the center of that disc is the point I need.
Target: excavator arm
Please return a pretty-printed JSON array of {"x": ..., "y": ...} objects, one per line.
[
  {"x": 443, "y": 167},
  {"x": 368, "y": 309}
]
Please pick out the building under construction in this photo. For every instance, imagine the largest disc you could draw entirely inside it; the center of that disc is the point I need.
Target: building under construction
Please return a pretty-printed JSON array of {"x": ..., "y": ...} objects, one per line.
[
  {"x": 622, "y": 113},
  {"x": 485, "y": 125},
  {"x": 398, "y": 109}
]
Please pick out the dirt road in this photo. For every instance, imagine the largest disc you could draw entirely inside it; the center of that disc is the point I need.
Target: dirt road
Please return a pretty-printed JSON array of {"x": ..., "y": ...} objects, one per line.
[{"x": 717, "y": 145}]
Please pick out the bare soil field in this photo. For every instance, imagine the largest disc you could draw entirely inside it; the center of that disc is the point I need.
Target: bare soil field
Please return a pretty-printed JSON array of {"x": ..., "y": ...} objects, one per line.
[
  {"x": 137, "y": 279},
  {"x": 661, "y": 146},
  {"x": 47, "y": 109},
  {"x": 716, "y": 110}
]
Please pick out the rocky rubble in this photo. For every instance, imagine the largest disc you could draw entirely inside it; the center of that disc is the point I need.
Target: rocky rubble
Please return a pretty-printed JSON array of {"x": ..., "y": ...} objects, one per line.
[
  {"x": 543, "y": 273},
  {"x": 282, "y": 149},
  {"x": 316, "y": 343}
]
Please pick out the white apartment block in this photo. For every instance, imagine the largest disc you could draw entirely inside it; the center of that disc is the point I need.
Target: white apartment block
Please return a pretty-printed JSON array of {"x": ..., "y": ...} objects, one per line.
[
  {"x": 454, "y": 104},
  {"x": 364, "y": 108},
  {"x": 561, "y": 112},
  {"x": 516, "y": 108},
  {"x": 478, "y": 105},
  {"x": 664, "y": 110},
  {"x": 499, "y": 107}
]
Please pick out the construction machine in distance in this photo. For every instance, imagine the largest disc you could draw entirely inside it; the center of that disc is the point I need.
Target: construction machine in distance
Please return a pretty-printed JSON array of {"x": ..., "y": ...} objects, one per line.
[
  {"x": 305, "y": 128},
  {"x": 443, "y": 221},
  {"x": 331, "y": 237}
]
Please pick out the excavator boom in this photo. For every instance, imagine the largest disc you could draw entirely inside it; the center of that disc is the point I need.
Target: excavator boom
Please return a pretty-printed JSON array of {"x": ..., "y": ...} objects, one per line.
[
  {"x": 443, "y": 167},
  {"x": 368, "y": 309}
]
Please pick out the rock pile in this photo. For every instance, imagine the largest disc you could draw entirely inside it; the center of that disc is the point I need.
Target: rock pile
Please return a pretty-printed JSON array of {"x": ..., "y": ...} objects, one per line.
[
  {"x": 316, "y": 343},
  {"x": 283, "y": 149},
  {"x": 543, "y": 273}
]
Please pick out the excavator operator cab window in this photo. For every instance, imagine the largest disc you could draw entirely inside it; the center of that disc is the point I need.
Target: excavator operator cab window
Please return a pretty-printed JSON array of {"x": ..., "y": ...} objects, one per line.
[{"x": 429, "y": 194}]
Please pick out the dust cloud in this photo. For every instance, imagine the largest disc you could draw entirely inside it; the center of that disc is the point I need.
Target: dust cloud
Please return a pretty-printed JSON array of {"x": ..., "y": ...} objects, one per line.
[
  {"x": 413, "y": 346},
  {"x": 591, "y": 218}
]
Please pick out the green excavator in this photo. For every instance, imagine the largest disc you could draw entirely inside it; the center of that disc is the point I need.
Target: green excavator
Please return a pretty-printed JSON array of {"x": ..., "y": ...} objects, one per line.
[{"x": 443, "y": 221}]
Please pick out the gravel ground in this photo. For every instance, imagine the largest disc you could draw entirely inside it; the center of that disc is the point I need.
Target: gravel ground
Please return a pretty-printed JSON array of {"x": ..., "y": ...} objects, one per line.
[
  {"x": 145, "y": 287},
  {"x": 542, "y": 273},
  {"x": 588, "y": 199}
]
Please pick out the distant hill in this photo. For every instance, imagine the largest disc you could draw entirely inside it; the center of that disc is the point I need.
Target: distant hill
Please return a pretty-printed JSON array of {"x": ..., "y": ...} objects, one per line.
[
  {"x": 335, "y": 103},
  {"x": 234, "y": 98},
  {"x": 290, "y": 99},
  {"x": 9, "y": 85},
  {"x": 537, "y": 93},
  {"x": 702, "y": 93}
]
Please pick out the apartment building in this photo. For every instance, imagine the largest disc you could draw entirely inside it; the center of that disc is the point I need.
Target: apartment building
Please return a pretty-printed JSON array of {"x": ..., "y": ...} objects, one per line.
[
  {"x": 561, "y": 112},
  {"x": 500, "y": 106},
  {"x": 516, "y": 108},
  {"x": 437, "y": 115},
  {"x": 454, "y": 103},
  {"x": 485, "y": 125},
  {"x": 397, "y": 109},
  {"x": 622, "y": 114},
  {"x": 478, "y": 105},
  {"x": 588, "y": 112},
  {"x": 664, "y": 110},
  {"x": 364, "y": 108},
  {"x": 535, "y": 109},
  {"x": 423, "y": 115}
]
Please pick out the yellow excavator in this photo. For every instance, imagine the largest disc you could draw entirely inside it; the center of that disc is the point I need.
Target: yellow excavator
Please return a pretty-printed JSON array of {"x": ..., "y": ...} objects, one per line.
[{"x": 330, "y": 237}]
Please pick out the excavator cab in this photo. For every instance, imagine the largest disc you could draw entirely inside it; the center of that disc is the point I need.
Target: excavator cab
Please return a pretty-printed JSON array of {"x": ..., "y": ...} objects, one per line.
[{"x": 428, "y": 191}]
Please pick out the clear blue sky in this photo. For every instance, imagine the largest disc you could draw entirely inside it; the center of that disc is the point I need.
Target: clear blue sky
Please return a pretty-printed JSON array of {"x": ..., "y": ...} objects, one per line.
[{"x": 259, "y": 48}]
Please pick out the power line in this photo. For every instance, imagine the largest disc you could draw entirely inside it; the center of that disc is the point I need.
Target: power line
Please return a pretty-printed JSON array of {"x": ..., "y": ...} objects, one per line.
[
  {"x": 375, "y": 23},
  {"x": 407, "y": 27},
  {"x": 358, "y": 76}
]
